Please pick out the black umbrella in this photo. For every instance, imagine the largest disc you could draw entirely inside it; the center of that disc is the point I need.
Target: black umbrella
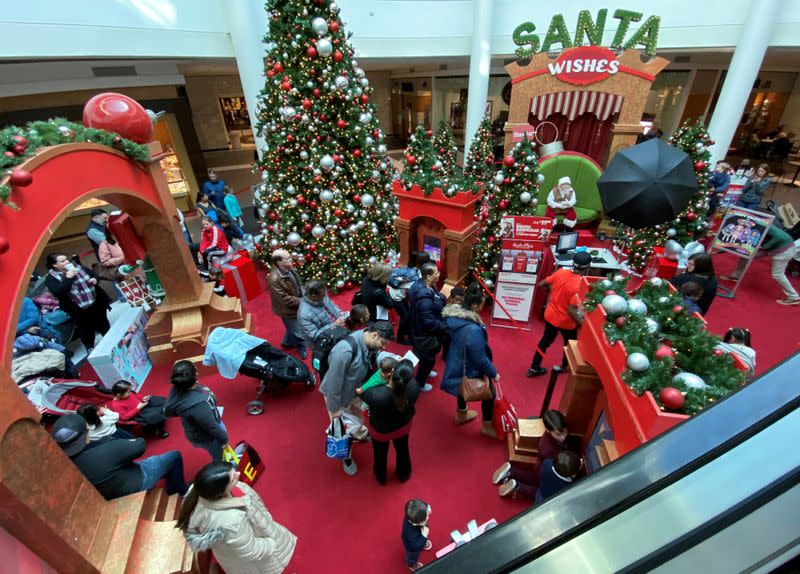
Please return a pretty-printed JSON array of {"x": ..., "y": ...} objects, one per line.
[{"x": 647, "y": 184}]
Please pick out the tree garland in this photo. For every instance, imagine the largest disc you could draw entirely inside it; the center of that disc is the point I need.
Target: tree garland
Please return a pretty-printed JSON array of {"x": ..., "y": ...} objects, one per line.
[
  {"x": 680, "y": 353},
  {"x": 21, "y": 144}
]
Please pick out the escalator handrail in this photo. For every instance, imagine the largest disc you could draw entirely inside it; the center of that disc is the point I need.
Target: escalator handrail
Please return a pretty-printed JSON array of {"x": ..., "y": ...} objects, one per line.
[{"x": 633, "y": 477}]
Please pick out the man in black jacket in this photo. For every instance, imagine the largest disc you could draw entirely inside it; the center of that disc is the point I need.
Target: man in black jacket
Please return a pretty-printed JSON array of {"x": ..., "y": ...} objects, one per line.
[
  {"x": 427, "y": 324},
  {"x": 109, "y": 463}
]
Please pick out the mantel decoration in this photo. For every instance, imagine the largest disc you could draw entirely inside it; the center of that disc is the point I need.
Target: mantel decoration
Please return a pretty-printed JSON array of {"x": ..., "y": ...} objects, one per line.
[
  {"x": 21, "y": 143},
  {"x": 669, "y": 352}
]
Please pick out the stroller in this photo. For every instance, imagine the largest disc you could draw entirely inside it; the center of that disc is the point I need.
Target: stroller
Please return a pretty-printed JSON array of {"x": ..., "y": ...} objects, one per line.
[
  {"x": 235, "y": 352},
  {"x": 54, "y": 398}
]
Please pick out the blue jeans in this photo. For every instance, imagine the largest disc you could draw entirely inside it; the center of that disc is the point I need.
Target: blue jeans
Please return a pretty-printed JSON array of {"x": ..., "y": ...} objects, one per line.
[
  {"x": 168, "y": 466},
  {"x": 212, "y": 447},
  {"x": 749, "y": 204},
  {"x": 293, "y": 337}
]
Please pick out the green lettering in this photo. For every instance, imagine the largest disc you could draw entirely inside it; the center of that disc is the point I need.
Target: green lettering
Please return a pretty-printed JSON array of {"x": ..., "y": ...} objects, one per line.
[
  {"x": 647, "y": 36},
  {"x": 594, "y": 32},
  {"x": 524, "y": 36},
  {"x": 625, "y": 18},
  {"x": 557, "y": 34}
]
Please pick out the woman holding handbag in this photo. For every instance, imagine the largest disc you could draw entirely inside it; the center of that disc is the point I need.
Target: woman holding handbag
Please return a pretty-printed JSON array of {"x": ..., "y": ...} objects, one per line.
[{"x": 469, "y": 371}]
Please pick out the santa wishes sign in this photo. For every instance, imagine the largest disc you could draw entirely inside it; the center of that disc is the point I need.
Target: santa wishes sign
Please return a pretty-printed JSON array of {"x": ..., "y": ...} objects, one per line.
[{"x": 584, "y": 65}]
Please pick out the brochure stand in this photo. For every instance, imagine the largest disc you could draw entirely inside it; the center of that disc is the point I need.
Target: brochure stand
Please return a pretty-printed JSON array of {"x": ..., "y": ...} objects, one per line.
[{"x": 741, "y": 234}]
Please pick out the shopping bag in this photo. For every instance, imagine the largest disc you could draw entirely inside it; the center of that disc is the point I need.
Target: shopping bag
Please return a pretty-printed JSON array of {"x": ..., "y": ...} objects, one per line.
[
  {"x": 354, "y": 426},
  {"x": 337, "y": 441},
  {"x": 245, "y": 458},
  {"x": 505, "y": 418}
]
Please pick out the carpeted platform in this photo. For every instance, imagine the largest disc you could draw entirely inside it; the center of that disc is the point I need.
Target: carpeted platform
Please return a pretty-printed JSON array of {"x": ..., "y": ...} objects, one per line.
[{"x": 351, "y": 524}]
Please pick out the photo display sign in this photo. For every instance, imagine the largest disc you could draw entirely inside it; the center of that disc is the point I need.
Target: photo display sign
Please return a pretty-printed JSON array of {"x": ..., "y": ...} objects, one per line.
[
  {"x": 524, "y": 239},
  {"x": 741, "y": 233}
]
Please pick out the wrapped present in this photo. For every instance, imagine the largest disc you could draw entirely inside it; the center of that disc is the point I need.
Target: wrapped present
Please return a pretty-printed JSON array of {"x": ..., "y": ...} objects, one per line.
[
  {"x": 660, "y": 266},
  {"x": 136, "y": 292},
  {"x": 473, "y": 531},
  {"x": 246, "y": 460},
  {"x": 240, "y": 278},
  {"x": 121, "y": 227}
]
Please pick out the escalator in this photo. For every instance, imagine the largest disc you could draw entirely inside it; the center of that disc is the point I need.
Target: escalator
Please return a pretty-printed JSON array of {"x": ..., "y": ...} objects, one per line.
[{"x": 719, "y": 493}]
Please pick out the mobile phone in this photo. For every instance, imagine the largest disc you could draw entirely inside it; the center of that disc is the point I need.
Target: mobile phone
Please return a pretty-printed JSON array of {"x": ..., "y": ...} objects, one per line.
[{"x": 70, "y": 267}]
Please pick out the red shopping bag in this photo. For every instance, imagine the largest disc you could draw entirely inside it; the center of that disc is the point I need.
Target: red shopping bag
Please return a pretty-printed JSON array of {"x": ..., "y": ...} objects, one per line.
[
  {"x": 505, "y": 416},
  {"x": 246, "y": 460}
]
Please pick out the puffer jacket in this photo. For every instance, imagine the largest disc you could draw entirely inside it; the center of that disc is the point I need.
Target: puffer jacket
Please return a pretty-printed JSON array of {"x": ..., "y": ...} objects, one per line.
[
  {"x": 468, "y": 341},
  {"x": 241, "y": 533},
  {"x": 426, "y": 310},
  {"x": 314, "y": 318}
]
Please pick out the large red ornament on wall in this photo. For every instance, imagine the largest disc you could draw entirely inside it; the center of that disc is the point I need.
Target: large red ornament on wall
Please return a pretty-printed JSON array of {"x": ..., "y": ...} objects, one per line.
[{"x": 120, "y": 114}]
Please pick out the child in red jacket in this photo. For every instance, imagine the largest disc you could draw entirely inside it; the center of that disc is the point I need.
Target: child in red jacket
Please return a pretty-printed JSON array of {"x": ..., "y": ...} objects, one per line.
[
  {"x": 145, "y": 410},
  {"x": 212, "y": 243}
]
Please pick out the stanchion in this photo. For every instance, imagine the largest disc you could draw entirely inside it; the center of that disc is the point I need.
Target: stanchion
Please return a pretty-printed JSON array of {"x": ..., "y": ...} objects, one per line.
[{"x": 548, "y": 394}]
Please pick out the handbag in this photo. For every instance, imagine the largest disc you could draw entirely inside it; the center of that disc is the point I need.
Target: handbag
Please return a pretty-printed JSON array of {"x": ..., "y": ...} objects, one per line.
[
  {"x": 505, "y": 418},
  {"x": 474, "y": 388},
  {"x": 245, "y": 458},
  {"x": 337, "y": 441}
]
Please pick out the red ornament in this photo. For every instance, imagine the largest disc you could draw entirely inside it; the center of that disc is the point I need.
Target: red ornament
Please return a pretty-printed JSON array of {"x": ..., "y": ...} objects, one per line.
[
  {"x": 699, "y": 165},
  {"x": 719, "y": 352},
  {"x": 309, "y": 257},
  {"x": 338, "y": 212},
  {"x": 306, "y": 103},
  {"x": 120, "y": 114},
  {"x": 678, "y": 309},
  {"x": 273, "y": 216},
  {"x": 311, "y": 52},
  {"x": 364, "y": 98},
  {"x": 349, "y": 284},
  {"x": 312, "y": 248},
  {"x": 333, "y": 25},
  {"x": 341, "y": 124},
  {"x": 620, "y": 322},
  {"x": 357, "y": 198},
  {"x": 20, "y": 178},
  {"x": 429, "y": 132},
  {"x": 671, "y": 398},
  {"x": 18, "y": 149},
  {"x": 411, "y": 160},
  {"x": 301, "y": 200},
  {"x": 509, "y": 161},
  {"x": 503, "y": 204},
  {"x": 278, "y": 67},
  {"x": 286, "y": 85},
  {"x": 337, "y": 56},
  {"x": 20, "y": 140},
  {"x": 356, "y": 153},
  {"x": 4, "y": 245},
  {"x": 491, "y": 239},
  {"x": 9, "y": 154},
  {"x": 507, "y": 180},
  {"x": 270, "y": 74},
  {"x": 312, "y": 204},
  {"x": 610, "y": 292},
  {"x": 691, "y": 216},
  {"x": 307, "y": 228},
  {"x": 665, "y": 351}
]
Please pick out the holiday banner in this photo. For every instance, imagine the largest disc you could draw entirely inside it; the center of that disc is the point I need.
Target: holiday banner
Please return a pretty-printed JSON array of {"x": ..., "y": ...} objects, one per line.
[
  {"x": 520, "y": 133},
  {"x": 526, "y": 227},
  {"x": 742, "y": 231}
]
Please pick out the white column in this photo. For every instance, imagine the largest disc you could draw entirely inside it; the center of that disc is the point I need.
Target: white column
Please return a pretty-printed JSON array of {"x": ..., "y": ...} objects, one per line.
[
  {"x": 247, "y": 24},
  {"x": 753, "y": 41},
  {"x": 480, "y": 61}
]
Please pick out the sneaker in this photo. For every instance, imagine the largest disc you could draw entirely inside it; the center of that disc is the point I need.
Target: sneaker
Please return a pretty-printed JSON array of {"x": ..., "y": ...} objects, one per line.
[
  {"x": 428, "y": 545},
  {"x": 415, "y": 567},
  {"x": 501, "y": 474},
  {"x": 349, "y": 469},
  {"x": 789, "y": 301},
  {"x": 560, "y": 369},
  {"x": 162, "y": 434},
  {"x": 427, "y": 387},
  {"x": 507, "y": 488},
  {"x": 433, "y": 375},
  {"x": 536, "y": 372}
]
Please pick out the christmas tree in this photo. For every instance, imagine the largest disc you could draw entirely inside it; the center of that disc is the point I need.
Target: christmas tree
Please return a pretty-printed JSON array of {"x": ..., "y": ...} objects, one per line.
[
  {"x": 690, "y": 225},
  {"x": 445, "y": 149},
  {"x": 479, "y": 165},
  {"x": 419, "y": 162},
  {"x": 326, "y": 195},
  {"x": 513, "y": 191}
]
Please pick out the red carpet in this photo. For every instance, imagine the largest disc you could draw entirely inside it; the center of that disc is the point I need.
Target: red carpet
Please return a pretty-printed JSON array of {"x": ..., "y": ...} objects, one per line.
[{"x": 351, "y": 524}]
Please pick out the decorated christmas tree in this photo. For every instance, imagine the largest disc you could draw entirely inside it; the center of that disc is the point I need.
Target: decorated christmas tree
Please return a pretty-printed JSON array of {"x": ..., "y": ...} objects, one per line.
[
  {"x": 513, "y": 191},
  {"x": 326, "y": 195},
  {"x": 444, "y": 146},
  {"x": 419, "y": 160},
  {"x": 479, "y": 164},
  {"x": 690, "y": 225}
]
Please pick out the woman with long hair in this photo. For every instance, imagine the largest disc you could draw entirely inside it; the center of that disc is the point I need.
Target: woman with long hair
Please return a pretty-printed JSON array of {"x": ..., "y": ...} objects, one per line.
[
  {"x": 227, "y": 517},
  {"x": 700, "y": 270},
  {"x": 391, "y": 410}
]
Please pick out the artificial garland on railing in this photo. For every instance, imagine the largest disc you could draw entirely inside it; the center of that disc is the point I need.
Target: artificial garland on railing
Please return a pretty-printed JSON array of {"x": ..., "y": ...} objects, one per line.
[
  {"x": 21, "y": 143},
  {"x": 670, "y": 353}
]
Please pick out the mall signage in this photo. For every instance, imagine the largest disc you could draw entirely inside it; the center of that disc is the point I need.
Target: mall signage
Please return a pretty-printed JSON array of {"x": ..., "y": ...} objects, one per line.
[
  {"x": 584, "y": 65},
  {"x": 589, "y": 31}
]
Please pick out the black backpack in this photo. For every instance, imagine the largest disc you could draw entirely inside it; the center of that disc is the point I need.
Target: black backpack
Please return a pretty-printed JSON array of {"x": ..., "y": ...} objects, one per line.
[{"x": 324, "y": 344}]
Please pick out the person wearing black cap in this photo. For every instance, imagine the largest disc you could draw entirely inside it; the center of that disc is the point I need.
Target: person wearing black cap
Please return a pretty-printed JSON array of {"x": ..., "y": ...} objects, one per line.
[
  {"x": 109, "y": 464},
  {"x": 563, "y": 314}
]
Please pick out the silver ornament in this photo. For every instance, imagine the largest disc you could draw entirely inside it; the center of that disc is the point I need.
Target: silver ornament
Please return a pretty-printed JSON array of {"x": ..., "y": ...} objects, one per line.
[
  {"x": 652, "y": 326},
  {"x": 619, "y": 277},
  {"x": 365, "y": 118},
  {"x": 656, "y": 281},
  {"x": 539, "y": 178},
  {"x": 376, "y": 176},
  {"x": 499, "y": 177},
  {"x": 273, "y": 242},
  {"x": 638, "y": 362},
  {"x": 304, "y": 155},
  {"x": 326, "y": 162},
  {"x": 614, "y": 305},
  {"x": 324, "y": 47},
  {"x": 663, "y": 300},
  {"x": 368, "y": 140},
  {"x": 320, "y": 26},
  {"x": 341, "y": 82},
  {"x": 367, "y": 199},
  {"x": 637, "y": 307},
  {"x": 335, "y": 10},
  {"x": 489, "y": 283},
  {"x": 264, "y": 176},
  {"x": 671, "y": 232},
  {"x": 326, "y": 196},
  {"x": 689, "y": 380},
  {"x": 382, "y": 149},
  {"x": 317, "y": 231},
  {"x": 293, "y": 239},
  {"x": 289, "y": 112},
  {"x": 290, "y": 189},
  {"x": 525, "y": 197},
  {"x": 673, "y": 250}
]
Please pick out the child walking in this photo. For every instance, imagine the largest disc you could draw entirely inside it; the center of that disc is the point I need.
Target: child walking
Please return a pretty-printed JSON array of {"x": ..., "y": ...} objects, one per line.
[{"x": 415, "y": 532}]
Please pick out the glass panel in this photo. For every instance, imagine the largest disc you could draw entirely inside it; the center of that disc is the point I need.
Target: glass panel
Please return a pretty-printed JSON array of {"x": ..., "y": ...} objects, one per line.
[{"x": 664, "y": 100}]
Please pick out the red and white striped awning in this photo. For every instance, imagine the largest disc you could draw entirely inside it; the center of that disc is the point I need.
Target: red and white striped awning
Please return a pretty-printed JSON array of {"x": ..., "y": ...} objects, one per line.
[{"x": 573, "y": 104}]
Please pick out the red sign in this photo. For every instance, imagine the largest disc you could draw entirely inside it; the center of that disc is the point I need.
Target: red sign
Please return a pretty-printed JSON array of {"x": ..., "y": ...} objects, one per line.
[
  {"x": 584, "y": 65},
  {"x": 526, "y": 227},
  {"x": 518, "y": 133}
]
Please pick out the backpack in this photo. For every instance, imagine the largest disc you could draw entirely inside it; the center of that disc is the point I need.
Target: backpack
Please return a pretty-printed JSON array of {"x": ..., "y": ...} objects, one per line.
[
  {"x": 402, "y": 275},
  {"x": 324, "y": 344}
]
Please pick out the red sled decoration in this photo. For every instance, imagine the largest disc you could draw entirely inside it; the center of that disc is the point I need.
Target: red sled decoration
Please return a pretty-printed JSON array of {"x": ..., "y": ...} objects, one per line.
[
  {"x": 505, "y": 418},
  {"x": 240, "y": 278},
  {"x": 246, "y": 460},
  {"x": 660, "y": 266}
]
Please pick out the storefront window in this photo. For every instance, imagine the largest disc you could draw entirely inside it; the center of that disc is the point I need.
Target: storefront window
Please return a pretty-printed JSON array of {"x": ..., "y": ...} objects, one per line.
[
  {"x": 664, "y": 102},
  {"x": 450, "y": 103}
]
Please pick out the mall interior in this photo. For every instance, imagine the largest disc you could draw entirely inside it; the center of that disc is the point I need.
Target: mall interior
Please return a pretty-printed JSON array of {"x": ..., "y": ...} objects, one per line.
[{"x": 716, "y": 490}]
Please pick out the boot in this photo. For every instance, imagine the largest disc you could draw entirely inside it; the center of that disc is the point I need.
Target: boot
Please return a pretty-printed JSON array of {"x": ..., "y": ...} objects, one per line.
[
  {"x": 488, "y": 429},
  {"x": 465, "y": 416}
]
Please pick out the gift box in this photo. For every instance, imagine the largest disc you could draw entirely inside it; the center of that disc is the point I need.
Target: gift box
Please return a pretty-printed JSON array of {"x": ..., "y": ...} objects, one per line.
[
  {"x": 240, "y": 279},
  {"x": 660, "y": 266},
  {"x": 122, "y": 353}
]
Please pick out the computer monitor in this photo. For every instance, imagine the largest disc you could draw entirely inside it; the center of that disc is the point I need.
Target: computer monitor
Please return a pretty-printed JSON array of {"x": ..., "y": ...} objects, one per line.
[{"x": 567, "y": 242}]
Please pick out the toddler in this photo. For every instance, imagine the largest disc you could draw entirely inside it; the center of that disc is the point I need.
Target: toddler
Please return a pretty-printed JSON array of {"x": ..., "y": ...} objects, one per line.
[
  {"x": 145, "y": 410},
  {"x": 381, "y": 376},
  {"x": 415, "y": 532},
  {"x": 737, "y": 341},
  {"x": 692, "y": 292},
  {"x": 102, "y": 423}
]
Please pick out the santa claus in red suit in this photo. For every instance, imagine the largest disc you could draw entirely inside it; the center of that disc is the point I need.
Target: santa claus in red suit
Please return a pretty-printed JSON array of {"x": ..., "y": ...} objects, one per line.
[{"x": 561, "y": 201}]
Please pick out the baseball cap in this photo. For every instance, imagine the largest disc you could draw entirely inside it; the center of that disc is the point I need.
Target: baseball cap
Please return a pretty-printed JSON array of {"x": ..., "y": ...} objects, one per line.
[
  {"x": 70, "y": 433},
  {"x": 582, "y": 259}
]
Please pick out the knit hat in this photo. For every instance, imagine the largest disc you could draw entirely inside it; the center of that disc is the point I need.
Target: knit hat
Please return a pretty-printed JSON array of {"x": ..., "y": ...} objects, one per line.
[
  {"x": 70, "y": 433},
  {"x": 565, "y": 179},
  {"x": 582, "y": 260}
]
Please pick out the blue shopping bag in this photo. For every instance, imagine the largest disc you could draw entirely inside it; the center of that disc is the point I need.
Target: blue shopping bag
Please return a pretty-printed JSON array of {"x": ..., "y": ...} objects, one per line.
[{"x": 337, "y": 441}]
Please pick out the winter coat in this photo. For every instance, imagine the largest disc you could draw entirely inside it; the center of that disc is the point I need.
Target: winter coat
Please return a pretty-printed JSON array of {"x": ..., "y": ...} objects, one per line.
[
  {"x": 30, "y": 316},
  {"x": 426, "y": 310},
  {"x": 468, "y": 340},
  {"x": 199, "y": 415},
  {"x": 213, "y": 237},
  {"x": 375, "y": 294},
  {"x": 61, "y": 288},
  {"x": 241, "y": 533},
  {"x": 752, "y": 192},
  {"x": 346, "y": 372},
  {"x": 284, "y": 293},
  {"x": 110, "y": 254},
  {"x": 315, "y": 317}
]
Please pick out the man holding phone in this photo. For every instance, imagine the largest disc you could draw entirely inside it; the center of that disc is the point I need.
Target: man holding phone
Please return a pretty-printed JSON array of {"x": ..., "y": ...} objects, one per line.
[{"x": 78, "y": 296}]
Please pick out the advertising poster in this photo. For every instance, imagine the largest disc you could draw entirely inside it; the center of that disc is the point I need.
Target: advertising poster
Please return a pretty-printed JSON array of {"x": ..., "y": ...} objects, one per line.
[
  {"x": 742, "y": 231},
  {"x": 732, "y": 195},
  {"x": 529, "y": 228}
]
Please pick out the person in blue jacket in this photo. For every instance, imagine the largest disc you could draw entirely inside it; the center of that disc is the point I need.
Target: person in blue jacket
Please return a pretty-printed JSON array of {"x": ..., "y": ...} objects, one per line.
[
  {"x": 427, "y": 324},
  {"x": 214, "y": 188},
  {"x": 718, "y": 185},
  {"x": 469, "y": 354},
  {"x": 31, "y": 321},
  {"x": 753, "y": 190}
]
